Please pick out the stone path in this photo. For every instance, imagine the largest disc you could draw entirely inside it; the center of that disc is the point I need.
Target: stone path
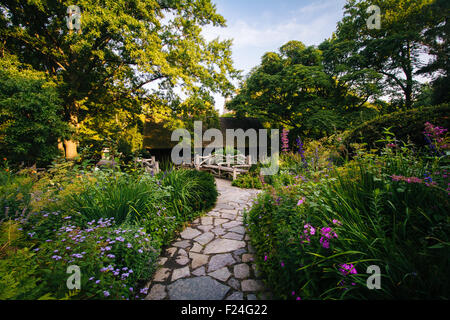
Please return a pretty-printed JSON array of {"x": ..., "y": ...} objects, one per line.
[{"x": 212, "y": 259}]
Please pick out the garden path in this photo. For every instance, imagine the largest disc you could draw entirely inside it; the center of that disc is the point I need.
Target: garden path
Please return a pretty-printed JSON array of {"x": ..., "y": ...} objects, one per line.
[{"x": 212, "y": 259}]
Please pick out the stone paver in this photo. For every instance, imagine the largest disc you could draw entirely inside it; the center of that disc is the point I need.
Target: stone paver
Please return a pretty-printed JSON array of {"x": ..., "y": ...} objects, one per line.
[
  {"x": 198, "y": 288},
  {"x": 220, "y": 260},
  {"x": 158, "y": 292},
  {"x": 223, "y": 245},
  {"x": 190, "y": 233},
  {"x": 212, "y": 258},
  {"x": 221, "y": 274},
  {"x": 242, "y": 271}
]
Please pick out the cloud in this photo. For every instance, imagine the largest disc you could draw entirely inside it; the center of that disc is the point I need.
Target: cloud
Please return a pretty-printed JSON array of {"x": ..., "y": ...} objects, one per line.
[{"x": 252, "y": 37}]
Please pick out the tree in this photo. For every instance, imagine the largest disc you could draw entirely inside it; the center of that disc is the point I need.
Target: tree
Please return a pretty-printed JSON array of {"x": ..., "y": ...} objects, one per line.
[
  {"x": 123, "y": 47},
  {"x": 291, "y": 88},
  {"x": 392, "y": 51},
  {"x": 30, "y": 115},
  {"x": 437, "y": 40}
]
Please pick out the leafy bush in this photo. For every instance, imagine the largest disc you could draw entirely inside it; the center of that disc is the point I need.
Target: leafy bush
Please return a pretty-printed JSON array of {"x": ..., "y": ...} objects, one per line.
[
  {"x": 248, "y": 181},
  {"x": 116, "y": 195},
  {"x": 15, "y": 194},
  {"x": 316, "y": 239},
  {"x": 30, "y": 115},
  {"x": 406, "y": 126},
  {"x": 110, "y": 224},
  {"x": 190, "y": 190},
  {"x": 112, "y": 260}
]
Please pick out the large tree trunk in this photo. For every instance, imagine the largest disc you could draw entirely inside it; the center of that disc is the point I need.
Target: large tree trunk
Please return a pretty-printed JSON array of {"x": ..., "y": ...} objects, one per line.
[
  {"x": 71, "y": 149},
  {"x": 71, "y": 145}
]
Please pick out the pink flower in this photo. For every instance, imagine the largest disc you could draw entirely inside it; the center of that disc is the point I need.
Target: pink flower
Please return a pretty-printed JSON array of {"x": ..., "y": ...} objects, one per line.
[
  {"x": 347, "y": 269},
  {"x": 301, "y": 201}
]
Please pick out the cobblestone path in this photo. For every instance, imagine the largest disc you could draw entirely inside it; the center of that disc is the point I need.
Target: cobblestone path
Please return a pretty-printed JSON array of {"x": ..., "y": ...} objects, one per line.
[{"x": 212, "y": 259}]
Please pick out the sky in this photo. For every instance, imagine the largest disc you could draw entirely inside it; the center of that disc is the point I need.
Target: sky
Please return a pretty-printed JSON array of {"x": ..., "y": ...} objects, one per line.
[{"x": 260, "y": 26}]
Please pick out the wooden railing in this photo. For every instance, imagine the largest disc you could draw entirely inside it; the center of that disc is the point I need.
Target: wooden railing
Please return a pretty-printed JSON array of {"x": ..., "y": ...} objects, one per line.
[
  {"x": 219, "y": 164},
  {"x": 149, "y": 165}
]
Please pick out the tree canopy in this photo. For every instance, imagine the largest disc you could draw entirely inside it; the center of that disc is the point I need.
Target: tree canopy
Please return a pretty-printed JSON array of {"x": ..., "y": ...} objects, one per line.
[
  {"x": 128, "y": 53},
  {"x": 30, "y": 114},
  {"x": 292, "y": 88},
  {"x": 393, "y": 53}
]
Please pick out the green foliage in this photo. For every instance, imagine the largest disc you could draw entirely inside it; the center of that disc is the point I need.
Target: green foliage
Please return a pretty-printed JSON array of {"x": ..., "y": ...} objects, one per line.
[
  {"x": 122, "y": 47},
  {"x": 15, "y": 194},
  {"x": 291, "y": 88},
  {"x": 115, "y": 195},
  {"x": 30, "y": 115},
  {"x": 191, "y": 191},
  {"x": 294, "y": 88},
  {"x": 392, "y": 52},
  {"x": 406, "y": 126},
  {"x": 436, "y": 38},
  {"x": 362, "y": 215},
  {"x": 110, "y": 224},
  {"x": 20, "y": 278},
  {"x": 248, "y": 181}
]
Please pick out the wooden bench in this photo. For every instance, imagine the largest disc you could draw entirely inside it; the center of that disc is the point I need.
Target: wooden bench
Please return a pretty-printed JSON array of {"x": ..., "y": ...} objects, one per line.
[
  {"x": 219, "y": 164},
  {"x": 149, "y": 165}
]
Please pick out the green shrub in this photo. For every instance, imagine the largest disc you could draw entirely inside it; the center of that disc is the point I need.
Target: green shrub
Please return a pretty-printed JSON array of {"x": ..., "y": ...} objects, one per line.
[
  {"x": 390, "y": 211},
  {"x": 15, "y": 194},
  {"x": 248, "y": 181},
  {"x": 110, "y": 224},
  {"x": 406, "y": 126},
  {"x": 30, "y": 114},
  {"x": 19, "y": 271},
  {"x": 191, "y": 191},
  {"x": 112, "y": 260},
  {"x": 117, "y": 195}
]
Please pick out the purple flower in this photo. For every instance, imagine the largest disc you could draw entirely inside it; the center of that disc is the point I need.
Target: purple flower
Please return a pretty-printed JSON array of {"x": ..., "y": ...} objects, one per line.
[
  {"x": 106, "y": 293},
  {"x": 325, "y": 242},
  {"x": 347, "y": 269},
  {"x": 144, "y": 291}
]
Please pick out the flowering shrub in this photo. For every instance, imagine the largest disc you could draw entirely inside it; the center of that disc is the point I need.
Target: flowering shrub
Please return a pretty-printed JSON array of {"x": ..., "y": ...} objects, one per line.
[
  {"x": 111, "y": 225},
  {"x": 435, "y": 137},
  {"x": 316, "y": 238},
  {"x": 112, "y": 260}
]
